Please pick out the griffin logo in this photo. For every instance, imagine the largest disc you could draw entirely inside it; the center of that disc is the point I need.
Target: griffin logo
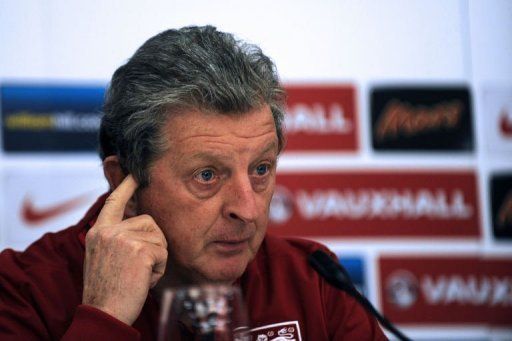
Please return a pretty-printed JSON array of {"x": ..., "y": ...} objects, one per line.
[{"x": 33, "y": 215}]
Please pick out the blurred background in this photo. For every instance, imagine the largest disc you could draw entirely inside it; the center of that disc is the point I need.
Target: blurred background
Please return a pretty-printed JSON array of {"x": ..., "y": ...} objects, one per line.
[{"x": 399, "y": 123}]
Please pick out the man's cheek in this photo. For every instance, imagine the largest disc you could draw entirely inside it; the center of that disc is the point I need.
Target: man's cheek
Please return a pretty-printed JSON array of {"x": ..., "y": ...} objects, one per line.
[{"x": 183, "y": 248}]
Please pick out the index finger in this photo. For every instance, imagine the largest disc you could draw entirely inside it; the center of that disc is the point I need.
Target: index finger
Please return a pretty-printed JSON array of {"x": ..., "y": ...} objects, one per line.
[{"x": 113, "y": 210}]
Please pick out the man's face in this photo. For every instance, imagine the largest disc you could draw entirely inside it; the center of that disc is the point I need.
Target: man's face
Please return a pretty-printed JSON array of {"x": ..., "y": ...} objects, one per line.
[{"x": 210, "y": 192}]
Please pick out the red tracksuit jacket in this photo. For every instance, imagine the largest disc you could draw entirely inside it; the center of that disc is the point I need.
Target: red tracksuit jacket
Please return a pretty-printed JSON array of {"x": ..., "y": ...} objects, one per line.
[{"x": 41, "y": 294}]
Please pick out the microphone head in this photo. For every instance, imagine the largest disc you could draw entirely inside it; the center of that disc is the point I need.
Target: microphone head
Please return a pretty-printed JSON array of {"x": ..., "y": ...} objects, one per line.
[
  {"x": 330, "y": 270},
  {"x": 335, "y": 274}
]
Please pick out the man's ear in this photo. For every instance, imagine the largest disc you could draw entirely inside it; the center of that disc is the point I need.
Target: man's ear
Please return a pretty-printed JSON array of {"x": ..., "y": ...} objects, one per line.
[{"x": 115, "y": 175}]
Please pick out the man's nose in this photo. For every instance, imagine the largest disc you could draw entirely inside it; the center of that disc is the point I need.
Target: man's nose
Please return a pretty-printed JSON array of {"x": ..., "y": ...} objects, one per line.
[{"x": 240, "y": 201}]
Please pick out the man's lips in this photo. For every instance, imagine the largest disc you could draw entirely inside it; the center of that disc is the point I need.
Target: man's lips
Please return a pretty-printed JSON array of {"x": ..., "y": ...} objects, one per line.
[{"x": 231, "y": 246}]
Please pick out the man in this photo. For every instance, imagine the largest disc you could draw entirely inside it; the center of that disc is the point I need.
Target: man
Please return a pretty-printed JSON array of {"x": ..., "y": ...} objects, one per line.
[{"x": 189, "y": 141}]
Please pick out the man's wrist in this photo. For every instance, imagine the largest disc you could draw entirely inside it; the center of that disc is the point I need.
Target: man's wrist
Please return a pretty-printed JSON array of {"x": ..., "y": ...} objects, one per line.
[{"x": 90, "y": 322}]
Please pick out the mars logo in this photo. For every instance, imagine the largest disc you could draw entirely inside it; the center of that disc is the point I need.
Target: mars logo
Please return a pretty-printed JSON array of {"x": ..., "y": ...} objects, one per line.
[
  {"x": 375, "y": 203},
  {"x": 428, "y": 289},
  {"x": 505, "y": 212},
  {"x": 506, "y": 123},
  {"x": 402, "y": 289},
  {"x": 401, "y": 118},
  {"x": 421, "y": 118},
  {"x": 321, "y": 118},
  {"x": 501, "y": 202},
  {"x": 281, "y": 206}
]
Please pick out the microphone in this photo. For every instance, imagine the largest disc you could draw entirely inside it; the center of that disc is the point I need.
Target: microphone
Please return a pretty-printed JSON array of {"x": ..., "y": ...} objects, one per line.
[{"x": 336, "y": 275}]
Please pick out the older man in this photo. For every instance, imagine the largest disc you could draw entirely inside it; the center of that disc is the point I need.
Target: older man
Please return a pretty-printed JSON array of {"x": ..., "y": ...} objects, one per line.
[{"x": 189, "y": 141}]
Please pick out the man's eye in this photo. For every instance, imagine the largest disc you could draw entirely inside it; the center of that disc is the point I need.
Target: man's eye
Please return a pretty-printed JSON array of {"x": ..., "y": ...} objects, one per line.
[
  {"x": 205, "y": 175},
  {"x": 262, "y": 169}
]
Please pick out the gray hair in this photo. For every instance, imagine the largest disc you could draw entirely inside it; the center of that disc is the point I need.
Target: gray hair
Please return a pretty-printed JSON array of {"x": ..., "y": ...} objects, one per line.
[{"x": 190, "y": 68}]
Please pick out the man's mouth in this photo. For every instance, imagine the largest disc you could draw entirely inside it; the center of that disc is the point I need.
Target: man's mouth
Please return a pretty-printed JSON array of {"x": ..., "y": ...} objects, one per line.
[{"x": 232, "y": 246}]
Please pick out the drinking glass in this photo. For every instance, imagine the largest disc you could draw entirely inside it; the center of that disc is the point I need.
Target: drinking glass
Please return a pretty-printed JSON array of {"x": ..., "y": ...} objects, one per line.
[{"x": 210, "y": 312}]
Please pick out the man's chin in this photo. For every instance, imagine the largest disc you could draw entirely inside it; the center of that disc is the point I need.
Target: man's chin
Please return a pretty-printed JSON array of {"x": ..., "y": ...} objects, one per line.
[
  {"x": 224, "y": 271},
  {"x": 224, "y": 275}
]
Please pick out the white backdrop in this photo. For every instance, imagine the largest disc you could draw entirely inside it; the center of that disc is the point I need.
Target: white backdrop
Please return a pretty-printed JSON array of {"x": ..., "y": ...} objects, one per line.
[{"x": 359, "y": 42}]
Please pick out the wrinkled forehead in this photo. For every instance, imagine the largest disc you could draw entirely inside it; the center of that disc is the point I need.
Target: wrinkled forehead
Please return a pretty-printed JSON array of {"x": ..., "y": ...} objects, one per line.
[
  {"x": 197, "y": 130},
  {"x": 250, "y": 124}
]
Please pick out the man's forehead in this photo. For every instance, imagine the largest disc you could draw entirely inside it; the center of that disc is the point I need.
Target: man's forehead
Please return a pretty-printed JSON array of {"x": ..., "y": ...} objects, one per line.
[{"x": 256, "y": 124}]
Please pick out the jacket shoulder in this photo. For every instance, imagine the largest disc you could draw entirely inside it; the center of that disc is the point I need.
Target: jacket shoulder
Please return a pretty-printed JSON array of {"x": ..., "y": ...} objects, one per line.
[
  {"x": 276, "y": 246},
  {"x": 52, "y": 249}
]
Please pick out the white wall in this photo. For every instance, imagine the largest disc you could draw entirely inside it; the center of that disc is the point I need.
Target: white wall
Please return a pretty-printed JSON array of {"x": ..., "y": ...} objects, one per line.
[{"x": 363, "y": 42}]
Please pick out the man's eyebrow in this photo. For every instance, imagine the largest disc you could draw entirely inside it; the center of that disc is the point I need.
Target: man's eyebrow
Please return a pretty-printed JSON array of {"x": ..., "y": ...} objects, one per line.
[
  {"x": 271, "y": 146},
  {"x": 213, "y": 156},
  {"x": 209, "y": 156}
]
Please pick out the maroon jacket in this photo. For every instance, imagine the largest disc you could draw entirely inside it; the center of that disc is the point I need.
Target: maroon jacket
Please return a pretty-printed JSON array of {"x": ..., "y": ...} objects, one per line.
[{"x": 41, "y": 294}]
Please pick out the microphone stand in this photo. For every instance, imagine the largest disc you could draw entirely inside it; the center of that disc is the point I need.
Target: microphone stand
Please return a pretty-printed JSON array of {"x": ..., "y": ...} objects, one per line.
[{"x": 336, "y": 275}]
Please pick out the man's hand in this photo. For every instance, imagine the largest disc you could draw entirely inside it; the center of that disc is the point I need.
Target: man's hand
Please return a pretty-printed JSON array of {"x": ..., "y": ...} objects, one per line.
[{"x": 123, "y": 258}]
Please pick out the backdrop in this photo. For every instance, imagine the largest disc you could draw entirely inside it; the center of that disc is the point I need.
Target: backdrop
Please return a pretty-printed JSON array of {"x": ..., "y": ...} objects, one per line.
[{"x": 399, "y": 136}]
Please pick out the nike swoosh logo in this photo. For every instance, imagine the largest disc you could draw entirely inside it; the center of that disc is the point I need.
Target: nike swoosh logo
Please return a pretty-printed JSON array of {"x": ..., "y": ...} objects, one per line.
[{"x": 35, "y": 216}]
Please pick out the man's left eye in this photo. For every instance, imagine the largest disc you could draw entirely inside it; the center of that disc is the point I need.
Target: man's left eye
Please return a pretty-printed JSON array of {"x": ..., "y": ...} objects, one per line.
[
  {"x": 205, "y": 176},
  {"x": 262, "y": 169}
]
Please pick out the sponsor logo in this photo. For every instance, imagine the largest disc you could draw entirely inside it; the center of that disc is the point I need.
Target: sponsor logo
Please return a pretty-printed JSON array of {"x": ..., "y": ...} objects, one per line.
[
  {"x": 501, "y": 203},
  {"x": 281, "y": 206},
  {"x": 355, "y": 269},
  {"x": 467, "y": 290},
  {"x": 284, "y": 331},
  {"x": 505, "y": 211},
  {"x": 402, "y": 289},
  {"x": 317, "y": 119},
  {"x": 386, "y": 203},
  {"x": 45, "y": 199},
  {"x": 57, "y": 121},
  {"x": 497, "y": 109},
  {"x": 470, "y": 290},
  {"x": 427, "y": 290},
  {"x": 50, "y": 118},
  {"x": 375, "y": 204},
  {"x": 36, "y": 216},
  {"x": 321, "y": 118},
  {"x": 506, "y": 123},
  {"x": 404, "y": 119},
  {"x": 418, "y": 118}
]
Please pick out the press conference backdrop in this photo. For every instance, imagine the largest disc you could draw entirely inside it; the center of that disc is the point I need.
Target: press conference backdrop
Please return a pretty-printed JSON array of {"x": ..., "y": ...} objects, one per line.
[{"x": 399, "y": 123}]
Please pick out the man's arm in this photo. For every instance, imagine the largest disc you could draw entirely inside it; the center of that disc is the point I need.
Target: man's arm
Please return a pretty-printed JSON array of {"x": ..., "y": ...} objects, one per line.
[
  {"x": 124, "y": 258},
  {"x": 36, "y": 303}
]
